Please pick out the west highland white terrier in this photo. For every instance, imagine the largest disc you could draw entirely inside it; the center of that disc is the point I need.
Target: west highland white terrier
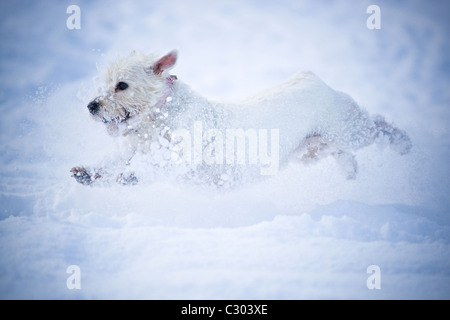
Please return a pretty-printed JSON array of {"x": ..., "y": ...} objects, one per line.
[{"x": 156, "y": 115}]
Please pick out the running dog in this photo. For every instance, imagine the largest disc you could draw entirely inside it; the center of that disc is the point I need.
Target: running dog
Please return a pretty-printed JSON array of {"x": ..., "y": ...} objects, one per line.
[{"x": 157, "y": 115}]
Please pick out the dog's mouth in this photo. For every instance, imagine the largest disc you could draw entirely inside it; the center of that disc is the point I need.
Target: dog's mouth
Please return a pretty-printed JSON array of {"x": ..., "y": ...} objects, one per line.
[
  {"x": 118, "y": 120},
  {"x": 112, "y": 125}
]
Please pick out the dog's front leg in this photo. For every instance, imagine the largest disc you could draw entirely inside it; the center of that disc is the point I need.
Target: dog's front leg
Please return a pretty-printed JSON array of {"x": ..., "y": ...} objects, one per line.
[
  {"x": 90, "y": 176},
  {"x": 127, "y": 179},
  {"x": 110, "y": 170},
  {"x": 86, "y": 176}
]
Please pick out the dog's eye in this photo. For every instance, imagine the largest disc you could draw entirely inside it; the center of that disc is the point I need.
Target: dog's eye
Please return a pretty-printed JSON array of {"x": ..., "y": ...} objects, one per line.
[{"x": 121, "y": 86}]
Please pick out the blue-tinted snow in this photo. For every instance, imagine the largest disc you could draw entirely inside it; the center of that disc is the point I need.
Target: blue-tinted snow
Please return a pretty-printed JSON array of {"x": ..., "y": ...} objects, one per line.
[{"x": 306, "y": 233}]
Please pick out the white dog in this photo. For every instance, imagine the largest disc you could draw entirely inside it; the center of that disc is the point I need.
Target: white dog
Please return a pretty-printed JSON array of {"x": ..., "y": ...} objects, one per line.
[{"x": 154, "y": 114}]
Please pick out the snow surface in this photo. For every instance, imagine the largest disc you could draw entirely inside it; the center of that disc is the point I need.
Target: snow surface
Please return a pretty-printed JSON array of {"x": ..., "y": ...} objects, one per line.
[{"x": 305, "y": 233}]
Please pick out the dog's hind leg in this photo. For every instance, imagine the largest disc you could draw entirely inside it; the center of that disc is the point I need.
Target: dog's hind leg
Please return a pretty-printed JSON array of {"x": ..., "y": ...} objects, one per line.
[
  {"x": 346, "y": 162},
  {"x": 315, "y": 147},
  {"x": 398, "y": 139}
]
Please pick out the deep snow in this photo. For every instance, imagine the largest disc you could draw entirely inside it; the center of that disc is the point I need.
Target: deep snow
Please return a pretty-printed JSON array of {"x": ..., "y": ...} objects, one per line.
[{"x": 305, "y": 233}]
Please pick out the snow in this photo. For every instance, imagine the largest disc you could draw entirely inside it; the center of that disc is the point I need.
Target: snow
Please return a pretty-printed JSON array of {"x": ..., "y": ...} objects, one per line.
[{"x": 304, "y": 233}]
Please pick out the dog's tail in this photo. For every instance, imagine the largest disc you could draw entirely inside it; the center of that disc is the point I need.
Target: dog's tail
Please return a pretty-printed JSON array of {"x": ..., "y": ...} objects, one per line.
[{"x": 398, "y": 139}]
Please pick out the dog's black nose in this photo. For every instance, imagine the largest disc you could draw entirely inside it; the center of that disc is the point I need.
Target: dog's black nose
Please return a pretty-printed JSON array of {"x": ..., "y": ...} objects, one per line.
[{"x": 94, "y": 107}]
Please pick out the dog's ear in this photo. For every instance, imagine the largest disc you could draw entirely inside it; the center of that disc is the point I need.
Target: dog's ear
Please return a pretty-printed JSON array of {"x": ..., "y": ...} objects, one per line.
[{"x": 165, "y": 63}]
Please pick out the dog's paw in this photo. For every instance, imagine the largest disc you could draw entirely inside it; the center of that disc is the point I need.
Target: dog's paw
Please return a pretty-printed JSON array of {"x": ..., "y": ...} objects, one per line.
[
  {"x": 127, "y": 179},
  {"x": 83, "y": 176}
]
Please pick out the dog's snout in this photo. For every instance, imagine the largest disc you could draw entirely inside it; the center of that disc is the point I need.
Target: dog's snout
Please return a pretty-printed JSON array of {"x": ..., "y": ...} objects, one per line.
[{"x": 94, "y": 107}]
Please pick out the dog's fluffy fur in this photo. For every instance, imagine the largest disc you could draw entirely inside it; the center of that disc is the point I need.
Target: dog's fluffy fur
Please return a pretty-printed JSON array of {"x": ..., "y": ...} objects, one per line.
[{"x": 141, "y": 103}]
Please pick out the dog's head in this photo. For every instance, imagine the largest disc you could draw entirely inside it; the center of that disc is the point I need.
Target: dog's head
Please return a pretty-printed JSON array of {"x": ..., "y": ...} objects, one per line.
[{"x": 131, "y": 86}]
